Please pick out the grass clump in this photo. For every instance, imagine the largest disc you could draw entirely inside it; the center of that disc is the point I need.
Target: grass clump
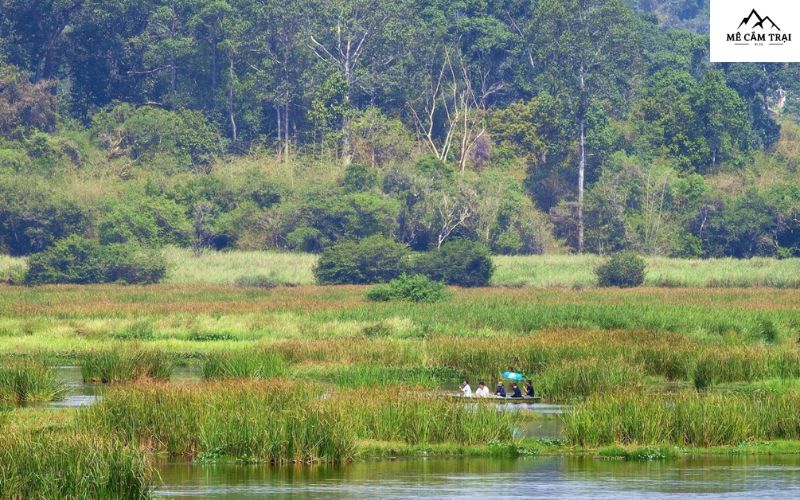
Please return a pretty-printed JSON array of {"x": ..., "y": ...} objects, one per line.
[
  {"x": 83, "y": 465},
  {"x": 416, "y": 288},
  {"x": 24, "y": 382},
  {"x": 123, "y": 365},
  {"x": 260, "y": 365}
]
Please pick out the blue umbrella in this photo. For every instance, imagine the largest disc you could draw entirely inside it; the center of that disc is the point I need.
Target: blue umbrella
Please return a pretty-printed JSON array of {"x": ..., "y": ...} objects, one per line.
[{"x": 513, "y": 376}]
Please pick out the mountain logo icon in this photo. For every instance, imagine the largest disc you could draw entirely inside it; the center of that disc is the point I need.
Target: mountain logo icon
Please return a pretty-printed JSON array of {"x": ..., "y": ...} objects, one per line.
[{"x": 761, "y": 22}]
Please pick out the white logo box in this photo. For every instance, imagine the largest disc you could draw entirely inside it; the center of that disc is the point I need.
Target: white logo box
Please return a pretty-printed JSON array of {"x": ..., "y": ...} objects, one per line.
[{"x": 755, "y": 31}]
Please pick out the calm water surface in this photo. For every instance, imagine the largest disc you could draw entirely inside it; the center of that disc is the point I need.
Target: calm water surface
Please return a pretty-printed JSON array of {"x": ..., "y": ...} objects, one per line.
[{"x": 550, "y": 477}]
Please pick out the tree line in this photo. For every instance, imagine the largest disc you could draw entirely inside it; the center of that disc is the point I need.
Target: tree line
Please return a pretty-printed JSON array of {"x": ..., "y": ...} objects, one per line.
[{"x": 530, "y": 126}]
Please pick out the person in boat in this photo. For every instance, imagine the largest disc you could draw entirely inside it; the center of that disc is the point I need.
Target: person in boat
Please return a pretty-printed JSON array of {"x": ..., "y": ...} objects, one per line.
[
  {"x": 529, "y": 392},
  {"x": 500, "y": 391},
  {"x": 466, "y": 390},
  {"x": 482, "y": 391},
  {"x": 515, "y": 391}
]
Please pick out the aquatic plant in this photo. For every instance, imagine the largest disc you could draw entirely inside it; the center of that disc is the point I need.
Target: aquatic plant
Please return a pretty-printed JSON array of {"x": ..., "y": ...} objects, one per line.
[
  {"x": 685, "y": 418},
  {"x": 124, "y": 364},
  {"x": 275, "y": 422},
  {"x": 74, "y": 465},
  {"x": 244, "y": 364},
  {"x": 23, "y": 382}
]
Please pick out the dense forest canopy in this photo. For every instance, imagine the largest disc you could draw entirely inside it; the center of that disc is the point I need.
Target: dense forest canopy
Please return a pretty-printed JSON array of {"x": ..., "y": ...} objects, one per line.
[{"x": 531, "y": 126}]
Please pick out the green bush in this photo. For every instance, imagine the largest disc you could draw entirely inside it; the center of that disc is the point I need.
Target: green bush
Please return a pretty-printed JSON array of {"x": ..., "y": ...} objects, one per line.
[
  {"x": 417, "y": 288},
  {"x": 374, "y": 260},
  {"x": 132, "y": 264},
  {"x": 459, "y": 262},
  {"x": 625, "y": 270},
  {"x": 146, "y": 220},
  {"x": 359, "y": 177},
  {"x": 79, "y": 260}
]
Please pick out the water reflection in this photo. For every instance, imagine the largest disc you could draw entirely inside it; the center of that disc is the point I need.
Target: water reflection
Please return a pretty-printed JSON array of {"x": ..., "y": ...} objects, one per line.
[{"x": 561, "y": 477}]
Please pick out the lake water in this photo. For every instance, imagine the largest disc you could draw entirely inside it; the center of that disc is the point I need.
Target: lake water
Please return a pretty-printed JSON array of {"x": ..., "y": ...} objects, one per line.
[{"x": 539, "y": 477}]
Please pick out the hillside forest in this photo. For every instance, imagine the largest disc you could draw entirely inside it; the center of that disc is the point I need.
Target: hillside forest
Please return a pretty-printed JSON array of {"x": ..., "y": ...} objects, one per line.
[{"x": 529, "y": 126}]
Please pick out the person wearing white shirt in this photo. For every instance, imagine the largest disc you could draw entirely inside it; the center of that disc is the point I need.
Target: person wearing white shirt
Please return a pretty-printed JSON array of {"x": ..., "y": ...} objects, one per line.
[
  {"x": 466, "y": 390},
  {"x": 483, "y": 391}
]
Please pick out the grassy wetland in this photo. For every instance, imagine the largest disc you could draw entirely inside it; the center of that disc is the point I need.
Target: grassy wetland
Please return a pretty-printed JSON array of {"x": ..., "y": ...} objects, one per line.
[{"x": 303, "y": 375}]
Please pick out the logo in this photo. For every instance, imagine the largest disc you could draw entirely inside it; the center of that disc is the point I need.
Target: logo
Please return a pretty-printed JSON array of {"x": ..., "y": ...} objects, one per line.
[
  {"x": 742, "y": 32},
  {"x": 755, "y": 31}
]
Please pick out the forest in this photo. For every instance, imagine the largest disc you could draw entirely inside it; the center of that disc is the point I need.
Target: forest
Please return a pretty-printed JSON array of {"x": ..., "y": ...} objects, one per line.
[{"x": 528, "y": 126}]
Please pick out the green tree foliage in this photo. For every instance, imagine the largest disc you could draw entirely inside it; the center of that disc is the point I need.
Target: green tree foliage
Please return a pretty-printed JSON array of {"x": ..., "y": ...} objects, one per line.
[
  {"x": 146, "y": 220},
  {"x": 33, "y": 215},
  {"x": 459, "y": 262},
  {"x": 81, "y": 261},
  {"x": 373, "y": 260},
  {"x": 298, "y": 124},
  {"x": 181, "y": 139}
]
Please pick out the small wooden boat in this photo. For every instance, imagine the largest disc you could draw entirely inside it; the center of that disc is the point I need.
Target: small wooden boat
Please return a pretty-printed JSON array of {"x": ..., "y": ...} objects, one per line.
[{"x": 496, "y": 399}]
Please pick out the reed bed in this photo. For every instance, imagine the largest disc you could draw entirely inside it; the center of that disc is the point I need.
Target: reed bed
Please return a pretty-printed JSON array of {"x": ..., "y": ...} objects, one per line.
[
  {"x": 77, "y": 465},
  {"x": 24, "y": 382},
  {"x": 352, "y": 350},
  {"x": 244, "y": 364},
  {"x": 579, "y": 379},
  {"x": 685, "y": 418},
  {"x": 124, "y": 364},
  {"x": 357, "y": 376},
  {"x": 275, "y": 422}
]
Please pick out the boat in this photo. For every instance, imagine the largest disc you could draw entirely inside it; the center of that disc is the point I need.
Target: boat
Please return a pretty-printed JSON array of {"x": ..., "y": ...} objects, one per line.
[{"x": 496, "y": 399}]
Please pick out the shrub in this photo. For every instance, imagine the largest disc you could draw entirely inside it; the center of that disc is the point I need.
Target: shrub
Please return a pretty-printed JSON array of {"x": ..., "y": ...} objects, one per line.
[
  {"x": 71, "y": 260},
  {"x": 131, "y": 264},
  {"x": 459, "y": 262},
  {"x": 374, "y": 260},
  {"x": 78, "y": 260},
  {"x": 625, "y": 270},
  {"x": 417, "y": 288},
  {"x": 146, "y": 220}
]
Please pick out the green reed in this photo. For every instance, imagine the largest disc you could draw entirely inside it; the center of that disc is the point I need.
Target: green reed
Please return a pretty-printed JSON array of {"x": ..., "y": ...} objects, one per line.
[
  {"x": 76, "y": 465},
  {"x": 23, "y": 382},
  {"x": 589, "y": 376},
  {"x": 124, "y": 364},
  {"x": 276, "y": 422},
  {"x": 685, "y": 418},
  {"x": 243, "y": 364}
]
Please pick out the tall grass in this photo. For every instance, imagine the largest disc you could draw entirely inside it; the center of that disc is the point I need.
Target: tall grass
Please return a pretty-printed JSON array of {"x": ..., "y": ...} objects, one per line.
[
  {"x": 541, "y": 271},
  {"x": 588, "y": 376},
  {"x": 78, "y": 465},
  {"x": 226, "y": 268},
  {"x": 276, "y": 423},
  {"x": 256, "y": 365},
  {"x": 379, "y": 377},
  {"x": 23, "y": 382},
  {"x": 125, "y": 364},
  {"x": 577, "y": 271},
  {"x": 685, "y": 418}
]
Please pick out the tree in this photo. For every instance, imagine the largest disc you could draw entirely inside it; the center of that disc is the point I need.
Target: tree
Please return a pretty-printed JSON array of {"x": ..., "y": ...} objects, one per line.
[
  {"x": 586, "y": 49},
  {"x": 360, "y": 39}
]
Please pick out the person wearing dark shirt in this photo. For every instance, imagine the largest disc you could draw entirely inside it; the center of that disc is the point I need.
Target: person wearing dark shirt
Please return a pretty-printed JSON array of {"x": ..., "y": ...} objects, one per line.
[
  {"x": 500, "y": 390},
  {"x": 515, "y": 392},
  {"x": 529, "y": 392}
]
